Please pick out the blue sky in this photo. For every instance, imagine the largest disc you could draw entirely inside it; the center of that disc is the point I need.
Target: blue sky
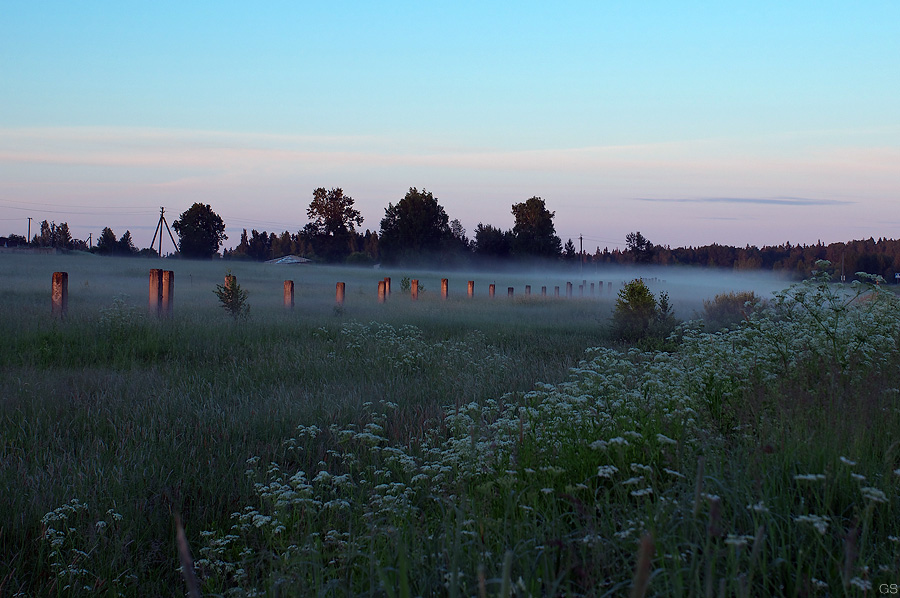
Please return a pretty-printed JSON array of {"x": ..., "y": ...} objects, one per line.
[{"x": 750, "y": 123}]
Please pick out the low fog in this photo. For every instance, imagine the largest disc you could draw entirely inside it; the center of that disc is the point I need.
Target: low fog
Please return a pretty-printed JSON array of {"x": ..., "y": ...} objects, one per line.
[{"x": 95, "y": 282}]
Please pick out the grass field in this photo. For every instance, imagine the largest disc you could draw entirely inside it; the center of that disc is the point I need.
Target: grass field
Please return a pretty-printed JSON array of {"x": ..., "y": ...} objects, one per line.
[{"x": 458, "y": 447}]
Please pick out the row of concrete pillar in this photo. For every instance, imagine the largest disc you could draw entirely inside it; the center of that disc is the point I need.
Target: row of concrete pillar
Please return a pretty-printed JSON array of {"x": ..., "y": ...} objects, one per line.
[{"x": 162, "y": 291}]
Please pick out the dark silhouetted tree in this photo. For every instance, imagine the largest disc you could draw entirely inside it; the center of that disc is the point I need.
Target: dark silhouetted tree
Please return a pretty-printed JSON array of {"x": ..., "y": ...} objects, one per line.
[
  {"x": 125, "y": 245},
  {"x": 106, "y": 242},
  {"x": 200, "y": 231},
  {"x": 534, "y": 234},
  {"x": 569, "y": 253},
  {"x": 415, "y": 229},
  {"x": 335, "y": 220},
  {"x": 491, "y": 242},
  {"x": 639, "y": 247}
]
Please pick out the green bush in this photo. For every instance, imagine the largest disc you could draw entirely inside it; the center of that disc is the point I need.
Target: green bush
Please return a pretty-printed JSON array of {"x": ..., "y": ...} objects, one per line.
[
  {"x": 233, "y": 297},
  {"x": 640, "y": 316},
  {"x": 727, "y": 310}
]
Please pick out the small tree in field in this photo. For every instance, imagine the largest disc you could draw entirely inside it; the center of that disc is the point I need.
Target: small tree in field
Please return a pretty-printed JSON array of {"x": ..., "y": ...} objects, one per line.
[
  {"x": 635, "y": 311},
  {"x": 233, "y": 297},
  {"x": 639, "y": 316}
]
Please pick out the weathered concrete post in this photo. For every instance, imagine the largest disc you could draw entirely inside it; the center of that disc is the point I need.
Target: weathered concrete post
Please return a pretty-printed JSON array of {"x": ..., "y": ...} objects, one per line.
[
  {"x": 556, "y": 291},
  {"x": 528, "y": 290},
  {"x": 568, "y": 290},
  {"x": 154, "y": 303},
  {"x": 414, "y": 289},
  {"x": 471, "y": 288},
  {"x": 168, "y": 293},
  {"x": 381, "y": 292},
  {"x": 387, "y": 286},
  {"x": 601, "y": 287},
  {"x": 543, "y": 291},
  {"x": 445, "y": 288},
  {"x": 491, "y": 289},
  {"x": 609, "y": 286},
  {"x": 592, "y": 289},
  {"x": 509, "y": 292},
  {"x": 339, "y": 293},
  {"x": 289, "y": 294},
  {"x": 59, "y": 295},
  {"x": 581, "y": 290}
]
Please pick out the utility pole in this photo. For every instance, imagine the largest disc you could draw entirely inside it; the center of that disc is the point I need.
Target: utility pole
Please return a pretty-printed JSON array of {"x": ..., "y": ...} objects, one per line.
[
  {"x": 90, "y": 241},
  {"x": 29, "y": 230},
  {"x": 581, "y": 251},
  {"x": 159, "y": 231}
]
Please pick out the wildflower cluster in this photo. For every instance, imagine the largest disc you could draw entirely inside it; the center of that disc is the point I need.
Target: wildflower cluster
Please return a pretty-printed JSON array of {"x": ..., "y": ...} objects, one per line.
[{"x": 71, "y": 540}]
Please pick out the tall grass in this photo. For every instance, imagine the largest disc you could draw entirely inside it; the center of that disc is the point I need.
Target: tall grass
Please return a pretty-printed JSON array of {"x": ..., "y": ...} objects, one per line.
[
  {"x": 449, "y": 447},
  {"x": 147, "y": 418}
]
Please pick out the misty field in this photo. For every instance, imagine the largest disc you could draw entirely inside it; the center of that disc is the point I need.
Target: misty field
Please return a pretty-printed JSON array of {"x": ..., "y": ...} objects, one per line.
[{"x": 461, "y": 447}]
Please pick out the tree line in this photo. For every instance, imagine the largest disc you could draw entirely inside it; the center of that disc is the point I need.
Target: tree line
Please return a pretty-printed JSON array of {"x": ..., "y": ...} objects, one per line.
[{"x": 418, "y": 230}]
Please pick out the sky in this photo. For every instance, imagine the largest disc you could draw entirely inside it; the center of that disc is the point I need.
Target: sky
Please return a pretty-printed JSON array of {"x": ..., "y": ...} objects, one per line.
[{"x": 692, "y": 122}]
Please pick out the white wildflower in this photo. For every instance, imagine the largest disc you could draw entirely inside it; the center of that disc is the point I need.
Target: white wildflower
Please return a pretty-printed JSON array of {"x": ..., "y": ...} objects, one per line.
[
  {"x": 663, "y": 439},
  {"x": 642, "y": 492},
  {"x": 606, "y": 471},
  {"x": 759, "y": 507},
  {"x": 672, "y": 472},
  {"x": 862, "y": 584},
  {"x": 818, "y": 521},
  {"x": 873, "y": 494},
  {"x": 737, "y": 540},
  {"x": 847, "y": 461}
]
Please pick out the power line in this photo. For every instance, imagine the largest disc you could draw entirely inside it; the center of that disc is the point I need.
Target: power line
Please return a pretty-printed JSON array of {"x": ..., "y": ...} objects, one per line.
[{"x": 68, "y": 205}]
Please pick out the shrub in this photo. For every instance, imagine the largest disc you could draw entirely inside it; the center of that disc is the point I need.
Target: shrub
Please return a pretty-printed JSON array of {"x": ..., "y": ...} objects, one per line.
[
  {"x": 406, "y": 285},
  {"x": 233, "y": 297},
  {"x": 727, "y": 310},
  {"x": 359, "y": 258}
]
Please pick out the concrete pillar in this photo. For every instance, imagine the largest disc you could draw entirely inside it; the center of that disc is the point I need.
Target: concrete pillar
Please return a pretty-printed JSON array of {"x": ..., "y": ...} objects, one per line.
[
  {"x": 387, "y": 286},
  {"x": 155, "y": 300},
  {"x": 509, "y": 292},
  {"x": 568, "y": 290},
  {"x": 528, "y": 290},
  {"x": 609, "y": 286},
  {"x": 381, "y": 292},
  {"x": 339, "y": 293},
  {"x": 592, "y": 289},
  {"x": 543, "y": 291},
  {"x": 471, "y": 288},
  {"x": 556, "y": 291},
  {"x": 59, "y": 295},
  {"x": 445, "y": 288},
  {"x": 168, "y": 293},
  {"x": 289, "y": 294},
  {"x": 601, "y": 287},
  {"x": 491, "y": 289},
  {"x": 414, "y": 289},
  {"x": 581, "y": 290}
]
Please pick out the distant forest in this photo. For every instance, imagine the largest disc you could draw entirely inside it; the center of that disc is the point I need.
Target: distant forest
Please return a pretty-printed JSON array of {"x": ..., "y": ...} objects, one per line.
[
  {"x": 881, "y": 256},
  {"x": 417, "y": 231}
]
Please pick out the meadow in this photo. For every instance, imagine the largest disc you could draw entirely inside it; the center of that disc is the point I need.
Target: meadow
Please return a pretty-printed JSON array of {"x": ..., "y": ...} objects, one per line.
[{"x": 441, "y": 447}]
